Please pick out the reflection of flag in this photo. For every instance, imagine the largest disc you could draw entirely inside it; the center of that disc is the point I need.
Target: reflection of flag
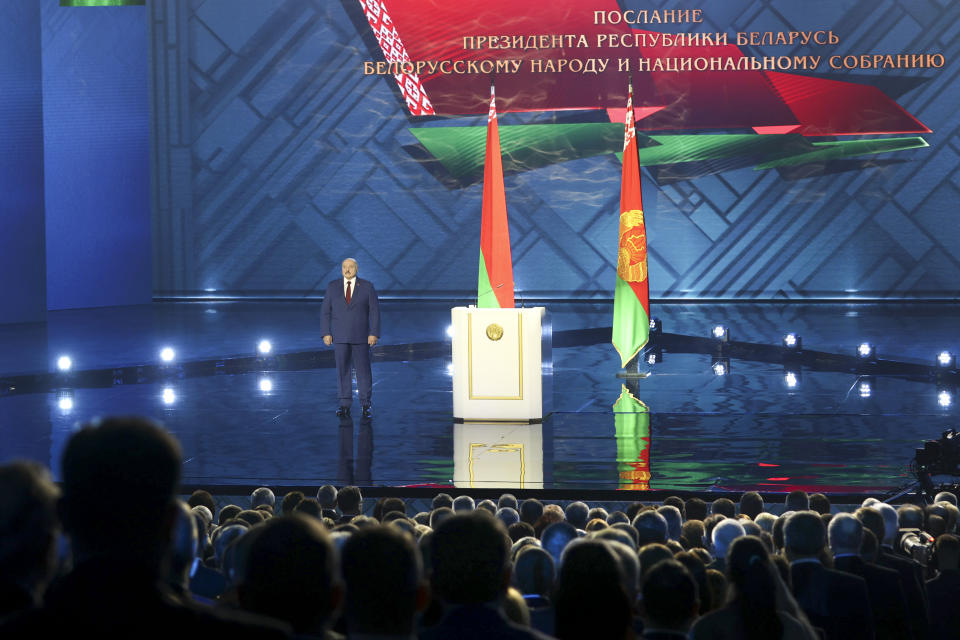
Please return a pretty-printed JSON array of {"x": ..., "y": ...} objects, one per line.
[
  {"x": 632, "y": 423},
  {"x": 631, "y": 297},
  {"x": 495, "y": 282}
]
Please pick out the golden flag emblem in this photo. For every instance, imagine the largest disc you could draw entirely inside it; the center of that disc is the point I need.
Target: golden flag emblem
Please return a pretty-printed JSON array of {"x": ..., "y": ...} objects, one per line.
[{"x": 632, "y": 257}]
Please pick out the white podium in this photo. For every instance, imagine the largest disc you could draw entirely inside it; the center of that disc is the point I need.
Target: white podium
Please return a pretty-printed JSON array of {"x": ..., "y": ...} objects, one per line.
[
  {"x": 498, "y": 454},
  {"x": 502, "y": 364}
]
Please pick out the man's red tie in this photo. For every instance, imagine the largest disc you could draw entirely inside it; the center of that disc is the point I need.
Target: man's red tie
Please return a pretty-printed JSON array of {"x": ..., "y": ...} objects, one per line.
[{"x": 348, "y": 292}]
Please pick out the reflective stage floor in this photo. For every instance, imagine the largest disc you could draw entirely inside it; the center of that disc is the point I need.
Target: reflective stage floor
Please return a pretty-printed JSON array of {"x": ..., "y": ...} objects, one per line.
[{"x": 776, "y": 420}]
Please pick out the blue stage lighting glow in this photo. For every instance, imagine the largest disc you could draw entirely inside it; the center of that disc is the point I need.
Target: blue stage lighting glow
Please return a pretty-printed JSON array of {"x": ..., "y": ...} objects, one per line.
[
  {"x": 865, "y": 350},
  {"x": 719, "y": 331},
  {"x": 64, "y": 363},
  {"x": 167, "y": 354},
  {"x": 946, "y": 359},
  {"x": 65, "y": 403},
  {"x": 168, "y": 396},
  {"x": 865, "y": 389},
  {"x": 266, "y": 385},
  {"x": 719, "y": 369},
  {"x": 264, "y": 347},
  {"x": 791, "y": 380},
  {"x": 944, "y": 399}
]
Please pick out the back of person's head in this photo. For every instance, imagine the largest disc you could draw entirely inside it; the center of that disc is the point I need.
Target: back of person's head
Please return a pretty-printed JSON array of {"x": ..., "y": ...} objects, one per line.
[
  {"x": 438, "y": 515},
  {"x": 508, "y": 500},
  {"x": 750, "y": 528},
  {"x": 751, "y": 504},
  {"x": 327, "y": 496},
  {"x": 591, "y": 600},
  {"x": 803, "y": 535},
  {"x": 695, "y": 509},
  {"x": 183, "y": 546},
  {"x": 576, "y": 514},
  {"x": 675, "y": 501},
  {"x": 393, "y": 504},
  {"x": 487, "y": 505},
  {"x": 530, "y": 511},
  {"x": 691, "y": 534},
  {"x": 796, "y": 500},
  {"x": 556, "y": 537},
  {"x": 509, "y": 516},
  {"x": 349, "y": 500},
  {"x": 651, "y": 527},
  {"x": 598, "y": 513},
  {"x": 754, "y": 577},
  {"x": 520, "y": 530},
  {"x": 910, "y": 516},
  {"x": 869, "y": 546},
  {"x": 674, "y": 521},
  {"x": 819, "y": 503},
  {"x": 441, "y": 500},
  {"x": 228, "y": 512},
  {"x": 290, "y": 502},
  {"x": 463, "y": 503},
  {"x": 670, "y": 598},
  {"x": 254, "y": 517},
  {"x": 383, "y": 576},
  {"x": 617, "y": 516},
  {"x": 629, "y": 564},
  {"x": 224, "y": 537},
  {"x": 765, "y": 521},
  {"x": 651, "y": 554},
  {"x": 629, "y": 530},
  {"x": 520, "y": 544},
  {"x": 261, "y": 496},
  {"x": 291, "y": 573},
  {"x": 723, "y": 535},
  {"x": 890, "y": 522},
  {"x": 615, "y": 534},
  {"x": 29, "y": 528},
  {"x": 469, "y": 553},
  {"x": 533, "y": 571},
  {"x": 946, "y": 496},
  {"x": 515, "y": 608},
  {"x": 698, "y": 570},
  {"x": 201, "y": 497},
  {"x": 845, "y": 534},
  {"x": 723, "y": 507},
  {"x": 137, "y": 463},
  {"x": 947, "y": 550},
  {"x": 872, "y": 520}
]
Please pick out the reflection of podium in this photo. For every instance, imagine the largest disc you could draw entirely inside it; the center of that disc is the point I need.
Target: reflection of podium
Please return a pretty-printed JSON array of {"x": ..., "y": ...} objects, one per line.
[
  {"x": 498, "y": 455},
  {"x": 499, "y": 359}
]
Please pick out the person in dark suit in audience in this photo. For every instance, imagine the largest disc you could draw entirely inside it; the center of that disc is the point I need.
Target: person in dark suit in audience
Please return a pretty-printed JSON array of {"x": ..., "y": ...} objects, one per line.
[
  {"x": 669, "y": 602},
  {"x": 350, "y": 321},
  {"x": 469, "y": 556},
  {"x": 119, "y": 545},
  {"x": 29, "y": 532},
  {"x": 836, "y": 602},
  {"x": 383, "y": 575},
  {"x": 349, "y": 502},
  {"x": 917, "y": 610},
  {"x": 944, "y": 589},
  {"x": 883, "y": 585}
]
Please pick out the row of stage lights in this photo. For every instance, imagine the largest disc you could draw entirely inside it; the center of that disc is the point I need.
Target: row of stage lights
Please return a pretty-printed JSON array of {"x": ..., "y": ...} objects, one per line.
[{"x": 168, "y": 395}]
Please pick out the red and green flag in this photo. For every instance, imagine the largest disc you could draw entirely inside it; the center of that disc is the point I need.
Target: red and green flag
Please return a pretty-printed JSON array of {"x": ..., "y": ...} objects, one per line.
[
  {"x": 631, "y": 297},
  {"x": 632, "y": 423},
  {"x": 495, "y": 281}
]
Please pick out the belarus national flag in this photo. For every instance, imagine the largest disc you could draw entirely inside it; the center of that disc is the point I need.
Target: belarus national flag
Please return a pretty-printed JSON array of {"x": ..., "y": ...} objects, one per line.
[
  {"x": 495, "y": 282},
  {"x": 631, "y": 298},
  {"x": 632, "y": 424}
]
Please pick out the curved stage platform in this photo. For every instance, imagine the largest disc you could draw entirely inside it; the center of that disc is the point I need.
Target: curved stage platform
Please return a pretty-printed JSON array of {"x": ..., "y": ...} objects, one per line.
[{"x": 776, "y": 420}]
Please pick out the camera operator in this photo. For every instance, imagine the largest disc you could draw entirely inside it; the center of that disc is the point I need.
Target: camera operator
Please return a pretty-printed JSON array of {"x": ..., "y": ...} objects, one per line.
[{"x": 942, "y": 591}]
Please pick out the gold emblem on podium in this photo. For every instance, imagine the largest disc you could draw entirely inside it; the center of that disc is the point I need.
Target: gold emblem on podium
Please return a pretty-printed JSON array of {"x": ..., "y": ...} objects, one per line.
[{"x": 494, "y": 331}]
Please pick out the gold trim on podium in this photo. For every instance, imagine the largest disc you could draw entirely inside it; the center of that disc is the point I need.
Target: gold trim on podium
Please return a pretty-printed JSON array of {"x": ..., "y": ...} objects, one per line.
[
  {"x": 497, "y": 448},
  {"x": 519, "y": 395}
]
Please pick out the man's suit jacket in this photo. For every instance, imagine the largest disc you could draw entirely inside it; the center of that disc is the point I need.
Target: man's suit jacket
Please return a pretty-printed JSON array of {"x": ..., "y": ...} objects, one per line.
[
  {"x": 886, "y": 596},
  {"x": 836, "y": 602},
  {"x": 350, "y": 323},
  {"x": 913, "y": 591},
  {"x": 944, "y": 613}
]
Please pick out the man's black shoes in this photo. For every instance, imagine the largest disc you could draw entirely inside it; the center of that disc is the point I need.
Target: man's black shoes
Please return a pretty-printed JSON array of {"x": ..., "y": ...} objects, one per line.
[
  {"x": 367, "y": 412},
  {"x": 343, "y": 411}
]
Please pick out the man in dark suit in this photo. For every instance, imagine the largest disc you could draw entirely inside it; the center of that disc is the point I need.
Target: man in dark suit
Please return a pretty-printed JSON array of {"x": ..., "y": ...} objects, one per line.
[
  {"x": 836, "y": 602},
  {"x": 350, "y": 320}
]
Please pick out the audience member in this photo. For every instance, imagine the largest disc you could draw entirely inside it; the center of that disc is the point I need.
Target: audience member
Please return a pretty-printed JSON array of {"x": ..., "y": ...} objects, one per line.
[
  {"x": 201, "y": 497},
  {"x": 591, "y": 600},
  {"x": 669, "y": 602},
  {"x": 943, "y": 589},
  {"x": 441, "y": 500},
  {"x": 796, "y": 500},
  {"x": 751, "y": 504},
  {"x": 695, "y": 509},
  {"x": 674, "y": 521},
  {"x": 508, "y": 516},
  {"x": 724, "y": 533},
  {"x": 723, "y": 507},
  {"x": 556, "y": 537},
  {"x": 262, "y": 496},
  {"x": 576, "y": 514},
  {"x": 487, "y": 505},
  {"x": 819, "y": 503},
  {"x": 290, "y": 502},
  {"x": 651, "y": 527},
  {"x": 508, "y": 500},
  {"x": 349, "y": 503},
  {"x": 519, "y": 530},
  {"x": 530, "y": 511},
  {"x": 463, "y": 503}
]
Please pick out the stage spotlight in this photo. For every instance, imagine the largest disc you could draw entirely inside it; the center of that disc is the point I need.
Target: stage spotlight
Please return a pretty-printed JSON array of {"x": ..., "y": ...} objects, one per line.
[
  {"x": 168, "y": 396},
  {"x": 656, "y": 326},
  {"x": 64, "y": 363},
  {"x": 865, "y": 388},
  {"x": 791, "y": 379},
  {"x": 793, "y": 341},
  {"x": 944, "y": 398},
  {"x": 266, "y": 385},
  {"x": 65, "y": 401},
  {"x": 264, "y": 347},
  {"x": 721, "y": 366},
  {"x": 653, "y": 356},
  {"x": 167, "y": 354},
  {"x": 867, "y": 351},
  {"x": 947, "y": 360},
  {"x": 721, "y": 333}
]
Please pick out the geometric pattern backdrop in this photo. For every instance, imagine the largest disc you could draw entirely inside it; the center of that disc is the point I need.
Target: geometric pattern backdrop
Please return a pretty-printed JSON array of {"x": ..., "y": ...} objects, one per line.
[{"x": 274, "y": 157}]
